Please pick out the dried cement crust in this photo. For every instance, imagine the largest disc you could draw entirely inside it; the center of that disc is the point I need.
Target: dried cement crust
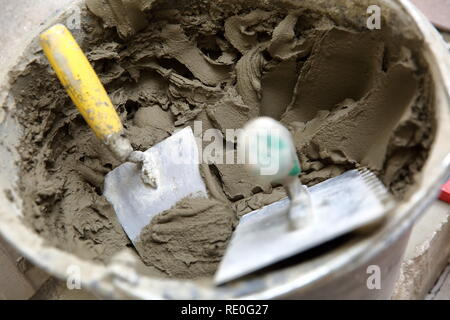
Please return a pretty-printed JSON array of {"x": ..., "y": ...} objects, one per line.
[{"x": 350, "y": 96}]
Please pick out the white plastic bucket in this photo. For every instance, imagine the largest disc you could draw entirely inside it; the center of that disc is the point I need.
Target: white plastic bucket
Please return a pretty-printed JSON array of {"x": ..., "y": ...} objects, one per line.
[{"x": 339, "y": 273}]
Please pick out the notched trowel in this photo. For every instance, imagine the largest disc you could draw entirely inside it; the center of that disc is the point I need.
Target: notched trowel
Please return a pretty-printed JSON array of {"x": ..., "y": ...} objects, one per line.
[
  {"x": 147, "y": 183},
  {"x": 308, "y": 217}
]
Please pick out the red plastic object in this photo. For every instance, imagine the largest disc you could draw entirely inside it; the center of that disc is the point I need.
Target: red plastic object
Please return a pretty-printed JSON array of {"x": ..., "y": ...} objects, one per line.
[{"x": 445, "y": 192}]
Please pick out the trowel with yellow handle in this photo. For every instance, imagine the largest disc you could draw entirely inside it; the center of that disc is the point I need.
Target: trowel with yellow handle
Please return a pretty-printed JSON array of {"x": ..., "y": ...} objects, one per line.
[
  {"x": 308, "y": 217},
  {"x": 148, "y": 182}
]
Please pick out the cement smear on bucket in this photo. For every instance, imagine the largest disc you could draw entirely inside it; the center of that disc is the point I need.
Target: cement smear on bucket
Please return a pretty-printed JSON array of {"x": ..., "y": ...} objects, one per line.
[{"x": 350, "y": 96}]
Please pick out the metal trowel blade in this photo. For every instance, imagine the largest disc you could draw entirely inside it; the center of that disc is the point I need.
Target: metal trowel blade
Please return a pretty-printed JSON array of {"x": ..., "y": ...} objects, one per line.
[
  {"x": 176, "y": 161},
  {"x": 340, "y": 205}
]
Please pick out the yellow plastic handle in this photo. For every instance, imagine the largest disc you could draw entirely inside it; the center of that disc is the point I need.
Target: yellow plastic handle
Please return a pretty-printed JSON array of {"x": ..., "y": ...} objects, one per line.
[{"x": 80, "y": 80}]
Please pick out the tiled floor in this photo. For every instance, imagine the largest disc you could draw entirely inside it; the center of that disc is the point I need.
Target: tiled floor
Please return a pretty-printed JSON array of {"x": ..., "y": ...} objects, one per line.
[{"x": 441, "y": 290}]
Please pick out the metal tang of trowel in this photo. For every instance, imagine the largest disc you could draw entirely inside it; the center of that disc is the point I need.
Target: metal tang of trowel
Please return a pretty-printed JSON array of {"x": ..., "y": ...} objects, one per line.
[
  {"x": 147, "y": 183},
  {"x": 308, "y": 217}
]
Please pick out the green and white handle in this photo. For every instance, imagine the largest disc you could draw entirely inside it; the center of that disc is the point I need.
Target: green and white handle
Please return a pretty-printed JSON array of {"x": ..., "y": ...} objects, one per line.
[{"x": 270, "y": 153}]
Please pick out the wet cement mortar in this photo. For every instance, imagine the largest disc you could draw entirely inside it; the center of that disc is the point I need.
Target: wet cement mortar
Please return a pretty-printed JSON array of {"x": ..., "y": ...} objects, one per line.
[{"x": 351, "y": 97}]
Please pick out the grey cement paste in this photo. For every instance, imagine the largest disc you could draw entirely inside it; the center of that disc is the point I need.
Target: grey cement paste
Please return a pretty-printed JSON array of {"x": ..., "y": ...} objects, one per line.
[{"x": 350, "y": 96}]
